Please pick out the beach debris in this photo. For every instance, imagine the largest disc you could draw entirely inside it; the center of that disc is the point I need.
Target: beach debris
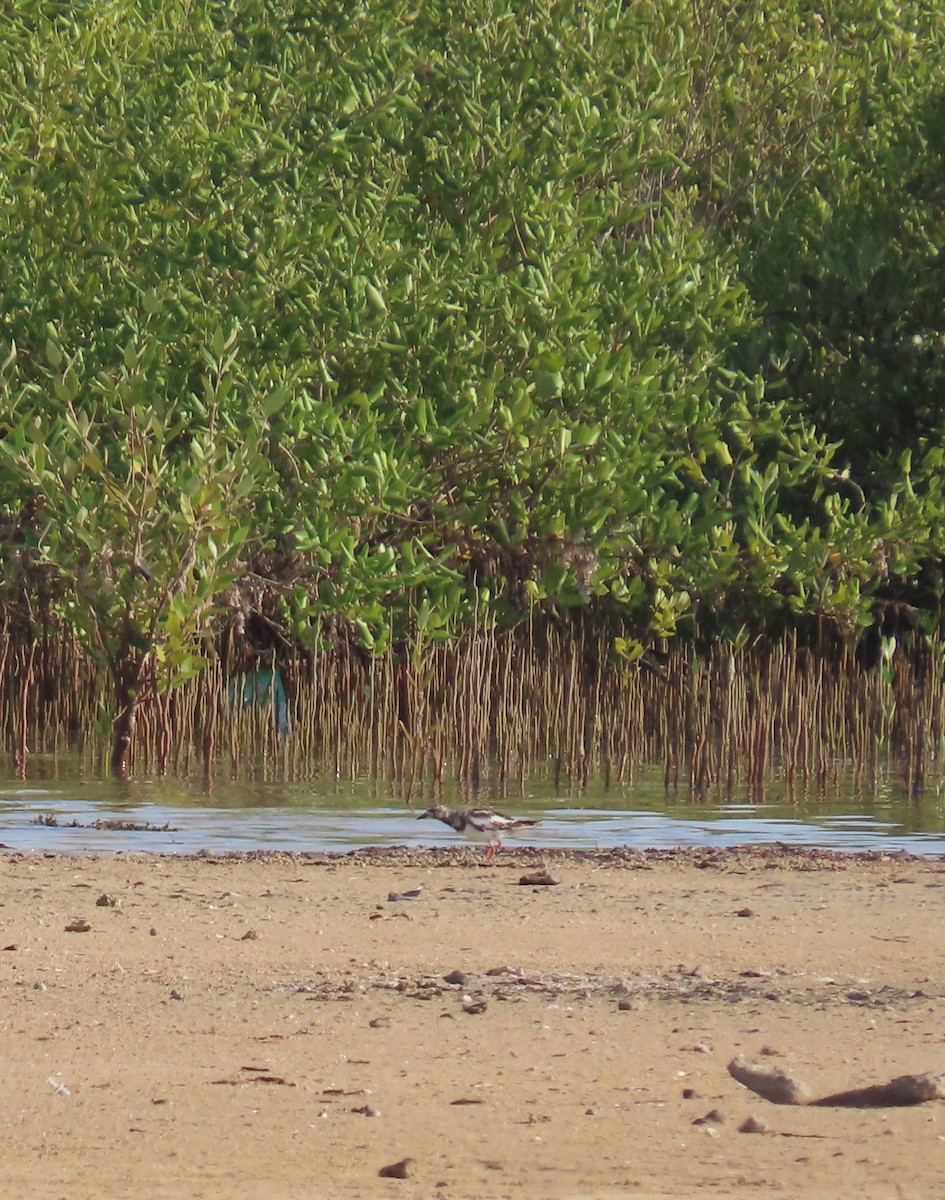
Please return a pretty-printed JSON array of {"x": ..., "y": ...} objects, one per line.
[
  {"x": 745, "y": 912},
  {"x": 78, "y": 926},
  {"x": 366, "y": 1110},
  {"x": 778, "y": 1087},
  {"x": 538, "y": 879},
  {"x": 474, "y": 1007},
  {"x": 249, "y": 936},
  {"x": 175, "y": 994},
  {"x": 901, "y": 1092},
  {"x": 409, "y": 894},
  {"x": 276, "y": 1079},
  {"x": 379, "y": 1022},
  {"x": 457, "y": 977},
  {"x": 771, "y": 1083},
  {"x": 55, "y": 1082},
  {"x": 752, "y": 1125},
  {"x": 403, "y": 1169},
  {"x": 107, "y": 901}
]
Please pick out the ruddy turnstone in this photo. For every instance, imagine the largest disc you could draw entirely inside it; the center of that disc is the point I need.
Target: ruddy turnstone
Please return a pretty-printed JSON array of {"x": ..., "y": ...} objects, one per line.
[{"x": 479, "y": 824}]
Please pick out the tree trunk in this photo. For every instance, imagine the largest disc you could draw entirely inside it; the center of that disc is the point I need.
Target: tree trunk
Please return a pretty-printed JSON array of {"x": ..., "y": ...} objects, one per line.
[
  {"x": 127, "y": 691},
  {"x": 124, "y": 732}
]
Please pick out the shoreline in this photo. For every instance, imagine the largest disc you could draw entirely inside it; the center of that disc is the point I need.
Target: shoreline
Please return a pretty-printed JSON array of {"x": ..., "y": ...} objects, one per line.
[
  {"x": 771, "y": 856},
  {"x": 267, "y": 1023}
]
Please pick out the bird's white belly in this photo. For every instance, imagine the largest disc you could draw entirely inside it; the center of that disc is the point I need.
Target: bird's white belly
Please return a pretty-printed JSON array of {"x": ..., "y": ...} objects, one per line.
[{"x": 482, "y": 835}]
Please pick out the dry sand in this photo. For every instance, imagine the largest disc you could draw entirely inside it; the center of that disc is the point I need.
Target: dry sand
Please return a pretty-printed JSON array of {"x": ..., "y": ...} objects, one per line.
[{"x": 275, "y": 1026}]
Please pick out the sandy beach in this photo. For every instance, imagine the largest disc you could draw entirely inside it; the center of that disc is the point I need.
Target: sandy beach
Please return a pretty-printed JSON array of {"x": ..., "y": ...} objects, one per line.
[{"x": 279, "y": 1025}]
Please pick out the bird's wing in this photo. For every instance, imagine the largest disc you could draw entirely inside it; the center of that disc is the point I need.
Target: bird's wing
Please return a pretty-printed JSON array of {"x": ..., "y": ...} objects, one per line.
[{"x": 486, "y": 821}]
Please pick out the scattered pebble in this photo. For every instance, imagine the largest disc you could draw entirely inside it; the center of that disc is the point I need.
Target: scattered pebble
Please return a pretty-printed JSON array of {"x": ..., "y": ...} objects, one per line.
[
  {"x": 107, "y": 901},
  {"x": 474, "y": 1007},
  {"x": 458, "y": 977},
  {"x": 745, "y": 912},
  {"x": 752, "y": 1125},
  {"x": 249, "y": 936},
  {"x": 713, "y": 1117},
  {"x": 78, "y": 927}
]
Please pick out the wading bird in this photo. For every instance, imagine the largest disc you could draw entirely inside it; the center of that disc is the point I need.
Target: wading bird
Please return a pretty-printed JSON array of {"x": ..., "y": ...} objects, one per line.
[{"x": 479, "y": 824}]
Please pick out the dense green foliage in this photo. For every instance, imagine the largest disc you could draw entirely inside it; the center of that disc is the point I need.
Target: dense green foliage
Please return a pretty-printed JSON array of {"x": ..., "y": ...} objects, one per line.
[{"x": 417, "y": 316}]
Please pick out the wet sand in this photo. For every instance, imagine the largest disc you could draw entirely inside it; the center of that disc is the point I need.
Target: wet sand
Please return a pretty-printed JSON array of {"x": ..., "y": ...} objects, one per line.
[{"x": 277, "y": 1025}]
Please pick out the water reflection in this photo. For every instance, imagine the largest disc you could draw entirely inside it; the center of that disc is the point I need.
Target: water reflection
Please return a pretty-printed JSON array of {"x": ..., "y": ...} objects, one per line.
[{"x": 59, "y": 814}]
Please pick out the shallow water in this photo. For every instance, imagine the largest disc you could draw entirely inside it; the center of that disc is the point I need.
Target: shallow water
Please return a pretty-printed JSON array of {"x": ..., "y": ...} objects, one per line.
[{"x": 348, "y": 816}]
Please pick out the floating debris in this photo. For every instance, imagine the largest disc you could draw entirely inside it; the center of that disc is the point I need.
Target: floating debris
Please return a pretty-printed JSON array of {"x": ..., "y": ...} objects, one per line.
[{"x": 113, "y": 824}]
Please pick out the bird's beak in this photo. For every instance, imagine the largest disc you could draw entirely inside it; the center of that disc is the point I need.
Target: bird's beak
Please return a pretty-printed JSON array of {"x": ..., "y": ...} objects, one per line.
[{"x": 422, "y": 815}]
